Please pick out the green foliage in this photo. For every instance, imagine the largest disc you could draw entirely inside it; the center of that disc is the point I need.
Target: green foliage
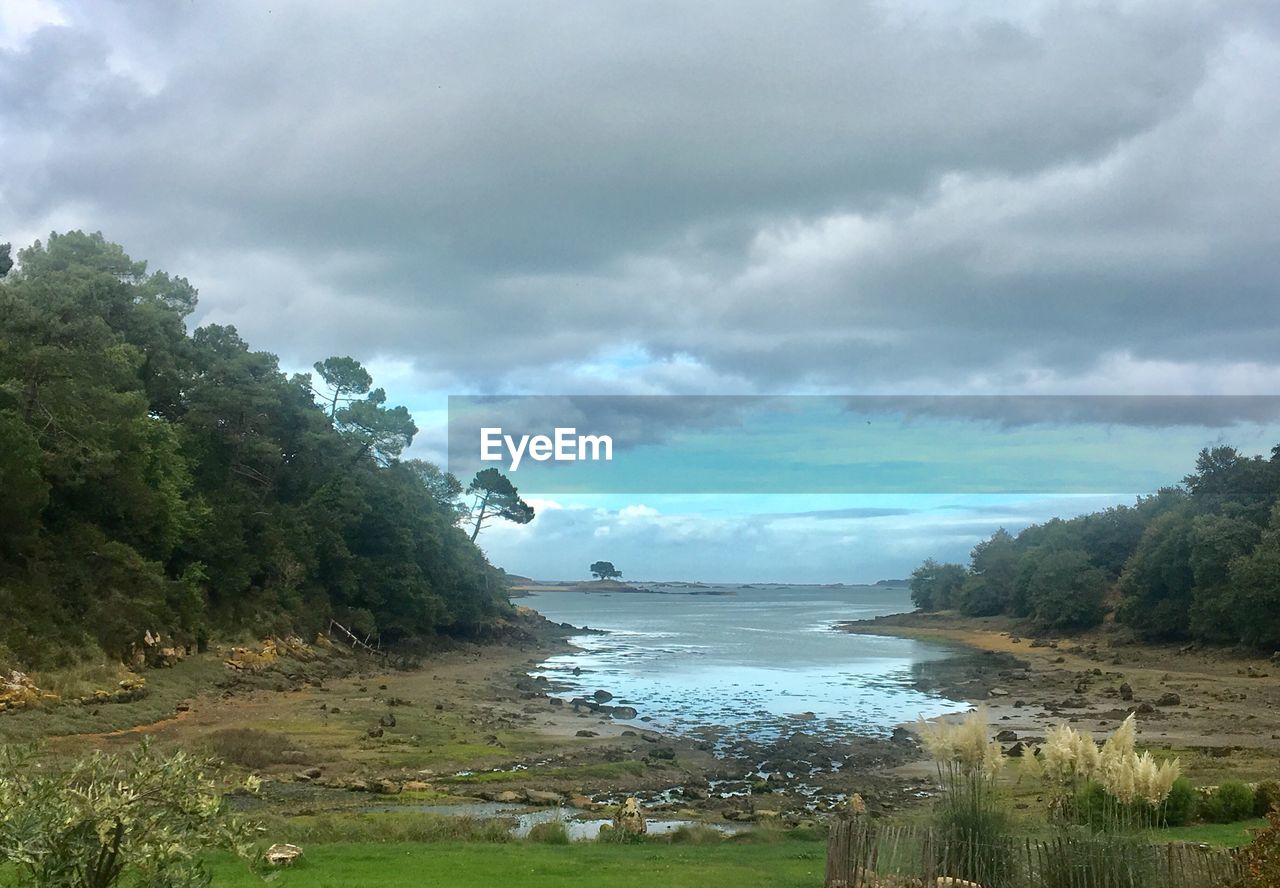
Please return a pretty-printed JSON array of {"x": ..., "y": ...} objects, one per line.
[
  {"x": 496, "y": 497},
  {"x": 147, "y": 818},
  {"x": 936, "y": 586},
  {"x": 1232, "y": 800},
  {"x": 1199, "y": 561},
  {"x": 183, "y": 484},
  {"x": 604, "y": 570},
  {"x": 251, "y": 747},
  {"x": 551, "y": 832},
  {"x": 1180, "y": 808},
  {"x": 1266, "y": 796}
]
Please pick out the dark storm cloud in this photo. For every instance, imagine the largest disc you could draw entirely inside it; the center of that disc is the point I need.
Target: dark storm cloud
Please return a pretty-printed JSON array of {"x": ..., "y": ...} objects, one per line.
[{"x": 680, "y": 197}]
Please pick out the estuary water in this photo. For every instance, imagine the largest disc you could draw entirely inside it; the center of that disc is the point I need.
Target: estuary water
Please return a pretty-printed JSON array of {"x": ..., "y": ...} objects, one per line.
[{"x": 752, "y": 662}]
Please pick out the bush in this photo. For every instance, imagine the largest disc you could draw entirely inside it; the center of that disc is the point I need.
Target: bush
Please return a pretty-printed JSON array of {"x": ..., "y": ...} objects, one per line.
[
  {"x": 1266, "y": 795},
  {"x": 551, "y": 832},
  {"x": 1233, "y": 800},
  {"x": 1179, "y": 808},
  {"x": 105, "y": 820},
  {"x": 696, "y": 834},
  {"x": 251, "y": 747}
]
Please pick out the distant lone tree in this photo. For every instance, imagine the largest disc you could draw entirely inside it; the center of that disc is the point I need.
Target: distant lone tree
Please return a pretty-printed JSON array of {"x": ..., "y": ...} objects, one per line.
[
  {"x": 604, "y": 570},
  {"x": 495, "y": 497}
]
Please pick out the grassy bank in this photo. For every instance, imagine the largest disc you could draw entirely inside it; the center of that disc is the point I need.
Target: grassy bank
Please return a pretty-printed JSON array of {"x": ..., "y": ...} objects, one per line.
[{"x": 460, "y": 865}]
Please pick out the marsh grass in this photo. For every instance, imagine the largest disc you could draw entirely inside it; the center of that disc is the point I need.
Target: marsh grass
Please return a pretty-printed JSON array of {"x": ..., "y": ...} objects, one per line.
[
  {"x": 252, "y": 747},
  {"x": 384, "y": 828}
]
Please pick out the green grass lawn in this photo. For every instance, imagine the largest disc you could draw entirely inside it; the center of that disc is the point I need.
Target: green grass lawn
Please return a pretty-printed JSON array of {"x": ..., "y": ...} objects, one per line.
[
  {"x": 459, "y": 865},
  {"x": 1224, "y": 835}
]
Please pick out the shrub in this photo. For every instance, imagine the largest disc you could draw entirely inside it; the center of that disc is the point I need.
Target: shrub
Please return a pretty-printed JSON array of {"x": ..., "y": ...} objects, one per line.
[
  {"x": 1180, "y": 807},
  {"x": 1266, "y": 795},
  {"x": 550, "y": 832},
  {"x": 251, "y": 747},
  {"x": 141, "y": 819},
  {"x": 1233, "y": 800},
  {"x": 696, "y": 834}
]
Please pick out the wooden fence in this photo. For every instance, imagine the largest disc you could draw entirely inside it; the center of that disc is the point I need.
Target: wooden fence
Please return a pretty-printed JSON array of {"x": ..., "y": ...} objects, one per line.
[{"x": 861, "y": 854}]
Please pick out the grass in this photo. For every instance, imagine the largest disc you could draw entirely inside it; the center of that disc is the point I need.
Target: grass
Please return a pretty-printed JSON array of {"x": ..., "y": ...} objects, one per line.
[
  {"x": 251, "y": 747},
  {"x": 779, "y": 865},
  {"x": 1222, "y": 835}
]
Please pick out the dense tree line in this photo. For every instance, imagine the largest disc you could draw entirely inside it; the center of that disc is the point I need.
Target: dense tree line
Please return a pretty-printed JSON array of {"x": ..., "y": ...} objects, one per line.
[
  {"x": 182, "y": 483},
  {"x": 1198, "y": 561}
]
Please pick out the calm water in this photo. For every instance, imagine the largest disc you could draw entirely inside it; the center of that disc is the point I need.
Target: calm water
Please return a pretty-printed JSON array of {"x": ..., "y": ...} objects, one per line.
[{"x": 761, "y": 661}]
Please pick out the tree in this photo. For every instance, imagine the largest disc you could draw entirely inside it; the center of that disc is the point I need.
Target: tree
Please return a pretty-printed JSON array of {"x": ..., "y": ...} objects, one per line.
[
  {"x": 6, "y": 262},
  {"x": 936, "y": 586},
  {"x": 993, "y": 570},
  {"x": 604, "y": 570},
  {"x": 344, "y": 378},
  {"x": 383, "y": 431},
  {"x": 145, "y": 817},
  {"x": 496, "y": 497},
  {"x": 1065, "y": 591}
]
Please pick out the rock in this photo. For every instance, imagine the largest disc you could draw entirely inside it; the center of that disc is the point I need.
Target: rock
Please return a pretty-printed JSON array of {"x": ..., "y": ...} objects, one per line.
[
  {"x": 581, "y": 802},
  {"x": 999, "y": 692},
  {"x": 281, "y": 854},
  {"x": 629, "y": 818},
  {"x": 507, "y": 796},
  {"x": 416, "y": 786},
  {"x": 586, "y": 733},
  {"x": 387, "y": 721},
  {"x": 1007, "y": 736},
  {"x": 1126, "y": 691},
  {"x": 308, "y": 774},
  {"x": 539, "y": 797},
  {"x": 385, "y": 787},
  {"x": 555, "y": 701},
  {"x": 577, "y": 670},
  {"x": 1016, "y": 750},
  {"x": 375, "y": 732},
  {"x": 1145, "y": 709},
  {"x": 624, "y": 712},
  {"x": 1169, "y": 699},
  {"x": 602, "y": 696}
]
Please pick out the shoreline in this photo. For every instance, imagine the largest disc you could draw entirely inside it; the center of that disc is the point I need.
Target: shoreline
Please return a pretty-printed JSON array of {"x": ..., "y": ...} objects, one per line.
[{"x": 1217, "y": 709}]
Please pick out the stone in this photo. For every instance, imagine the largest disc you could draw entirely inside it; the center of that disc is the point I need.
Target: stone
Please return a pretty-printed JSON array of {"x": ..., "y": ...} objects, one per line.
[
  {"x": 630, "y": 819},
  {"x": 602, "y": 696},
  {"x": 282, "y": 854},
  {"x": 1007, "y": 736},
  {"x": 308, "y": 774},
  {"x": 540, "y": 797},
  {"x": 1169, "y": 699},
  {"x": 586, "y": 733},
  {"x": 387, "y": 721},
  {"x": 1126, "y": 691},
  {"x": 386, "y": 787},
  {"x": 507, "y": 796},
  {"x": 624, "y": 712}
]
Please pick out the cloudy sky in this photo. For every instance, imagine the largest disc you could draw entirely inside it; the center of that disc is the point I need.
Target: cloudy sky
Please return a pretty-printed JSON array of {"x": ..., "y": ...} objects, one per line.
[{"x": 847, "y": 197}]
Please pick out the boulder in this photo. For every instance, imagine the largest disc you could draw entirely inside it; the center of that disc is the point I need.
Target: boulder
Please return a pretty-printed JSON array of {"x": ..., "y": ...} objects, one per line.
[
  {"x": 1169, "y": 699},
  {"x": 586, "y": 733},
  {"x": 308, "y": 774},
  {"x": 1007, "y": 736},
  {"x": 629, "y": 818},
  {"x": 624, "y": 712},
  {"x": 1126, "y": 691},
  {"x": 282, "y": 854},
  {"x": 602, "y": 696},
  {"x": 540, "y": 797}
]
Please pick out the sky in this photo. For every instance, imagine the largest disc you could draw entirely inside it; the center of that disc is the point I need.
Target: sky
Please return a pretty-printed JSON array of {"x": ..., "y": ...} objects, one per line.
[{"x": 919, "y": 197}]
